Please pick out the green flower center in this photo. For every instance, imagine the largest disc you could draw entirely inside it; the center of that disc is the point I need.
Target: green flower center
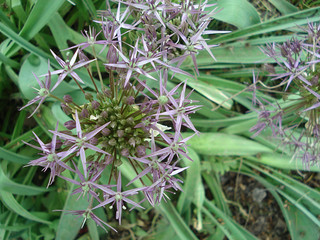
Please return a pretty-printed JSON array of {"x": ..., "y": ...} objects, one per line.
[
  {"x": 43, "y": 92},
  {"x": 163, "y": 100},
  {"x": 118, "y": 197},
  {"x": 81, "y": 141},
  {"x": 175, "y": 147},
  {"x": 52, "y": 157}
]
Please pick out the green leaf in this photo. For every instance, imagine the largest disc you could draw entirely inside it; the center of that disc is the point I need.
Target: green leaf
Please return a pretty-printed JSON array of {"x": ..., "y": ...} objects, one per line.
[
  {"x": 300, "y": 199},
  {"x": 237, "y": 54},
  {"x": 284, "y": 6},
  {"x": 192, "y": 183},
  {"x": 40, "y": 15},
  {"x": 13, "y": 157},
  {"x": 207, "y": 90},
  {"x": 225, "y": 145},
  {"x": 18, "y": 10},
  {"x": 20, "y": 189},
  {"x": 239, "y": 13},
  {"x": 182, "y": 230},
  {"x": 284, "y": 162},
  {"x": 234, "y": 228},
  {"x": 303, "y": 227},
  {"x": 14, "y": 206},
  {"x": 24, "y": 43},
  {"x": 281, "y": 23},
  {"x": 69, "y": 225},
  {"x": 16, "y": 228}
]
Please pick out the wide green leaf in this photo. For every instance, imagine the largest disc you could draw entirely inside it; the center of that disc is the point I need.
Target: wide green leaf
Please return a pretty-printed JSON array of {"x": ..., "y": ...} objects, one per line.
[
  {"x": 225, "y": 145},
  {"x": 239, "y": 13},
  {"x": 284, "y": 6}
]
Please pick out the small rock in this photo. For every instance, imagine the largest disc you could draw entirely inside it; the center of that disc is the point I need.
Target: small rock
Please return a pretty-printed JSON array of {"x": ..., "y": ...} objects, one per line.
[{"x": 258, "y": 194}]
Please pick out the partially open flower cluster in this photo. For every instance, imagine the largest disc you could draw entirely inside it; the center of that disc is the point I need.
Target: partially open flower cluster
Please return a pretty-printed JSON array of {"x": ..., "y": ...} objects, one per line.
[
  {"x": 126, "y": 119},
  {"x": 299, "y": 59}
]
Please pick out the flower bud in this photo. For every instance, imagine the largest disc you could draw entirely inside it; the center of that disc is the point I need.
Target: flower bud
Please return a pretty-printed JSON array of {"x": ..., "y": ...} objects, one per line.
[
  {"x": 129, "y": 100},
  {"x": 70, "y": 124},
  {"x": 140, "y": 87},
  {"x": 66, "y": 109},
  {"x": 88, "y": 96},
  {"x": 107, "y": 92},
  {"x": 95, "y": 105},
  {"x": 163, "y": 100},
  {"x": 93, "y": 141},
  {"x": 112, "y": 142},
  {"x": 84, "y": 113},
  {"x": 132, "y": 142},
  {"x": 112, "y": 56},
  {"x": 108, "y": 159},
  {"x": 100, "y": 96},
  {"x": 113, "y": 124},
  {"x": 83, "y": 58},
  {"x": 120, "y": 133},
  {"x": 105, "y": 131},
  {"x": 104, "y": 114},
  {"x": 141, "y": 150},
  {"x": 125, "y": 152},
  {"x": 67, "y": 99}
]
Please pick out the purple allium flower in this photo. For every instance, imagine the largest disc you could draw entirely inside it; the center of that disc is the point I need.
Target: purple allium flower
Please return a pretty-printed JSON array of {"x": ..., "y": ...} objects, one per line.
[
  {"x": 156, "y": 191},
  {"x": 191, "y": 46},
  {"x": 68, "y": 67},
  {"x": 272, "y": 119},
  {"x": 86, "y": 187},
  {"x": 315, "y": 105},
  {"x": 88, "y": 214},
  {"x": 134, "y": 64},
  {"x": 181, "y": 110},
  {"x": 51, "y": 158},
  {"x": 91, "y": 39},
  {"x": 81, "y": 142},
  {"x": 118, "y": 197},
  {"x": 43, "y": 93},
  {"x": 118, "y": 22}
]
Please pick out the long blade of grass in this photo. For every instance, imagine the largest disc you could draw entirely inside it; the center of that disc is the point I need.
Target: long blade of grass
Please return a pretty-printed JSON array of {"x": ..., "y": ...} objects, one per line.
[
  {"x": 281, "y": 23},
  {"x": 8, "y": 199},
  {"x": 20, "y": 189}
]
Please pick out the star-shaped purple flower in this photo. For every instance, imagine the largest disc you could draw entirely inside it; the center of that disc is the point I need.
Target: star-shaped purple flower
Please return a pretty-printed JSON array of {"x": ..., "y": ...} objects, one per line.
[
  {"x": 118, "y": 197},
  {"x": 51, "y": 159},
  {"x": 43, "y": 92},
  {"x": 81, "y": 142}
]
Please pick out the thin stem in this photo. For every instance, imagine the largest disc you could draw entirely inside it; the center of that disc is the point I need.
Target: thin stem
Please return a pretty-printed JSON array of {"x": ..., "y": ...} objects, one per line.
[
  {"x": 111, "y": 78},
  {"x": 95, "y": 86},
  {"x": 97, "y": 64},
  {"x": 78, "y": 85},
  {"x": 59, "y": 99}
]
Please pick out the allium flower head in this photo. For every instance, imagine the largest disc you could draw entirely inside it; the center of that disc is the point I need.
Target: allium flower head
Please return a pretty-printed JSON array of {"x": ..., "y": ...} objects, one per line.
[
  {"x": 127, "y": 120},
  {"x": 299, "y": 60}
]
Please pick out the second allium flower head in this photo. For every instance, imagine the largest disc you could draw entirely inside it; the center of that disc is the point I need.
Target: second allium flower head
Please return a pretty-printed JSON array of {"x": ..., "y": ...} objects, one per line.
[
  {"x": 126, "y": 119},
  {"x": 297, "y": 65}
]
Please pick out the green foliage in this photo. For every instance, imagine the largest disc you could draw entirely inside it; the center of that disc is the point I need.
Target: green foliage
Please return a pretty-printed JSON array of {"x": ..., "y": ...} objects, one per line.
[{"x": 30, "y": 28}]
